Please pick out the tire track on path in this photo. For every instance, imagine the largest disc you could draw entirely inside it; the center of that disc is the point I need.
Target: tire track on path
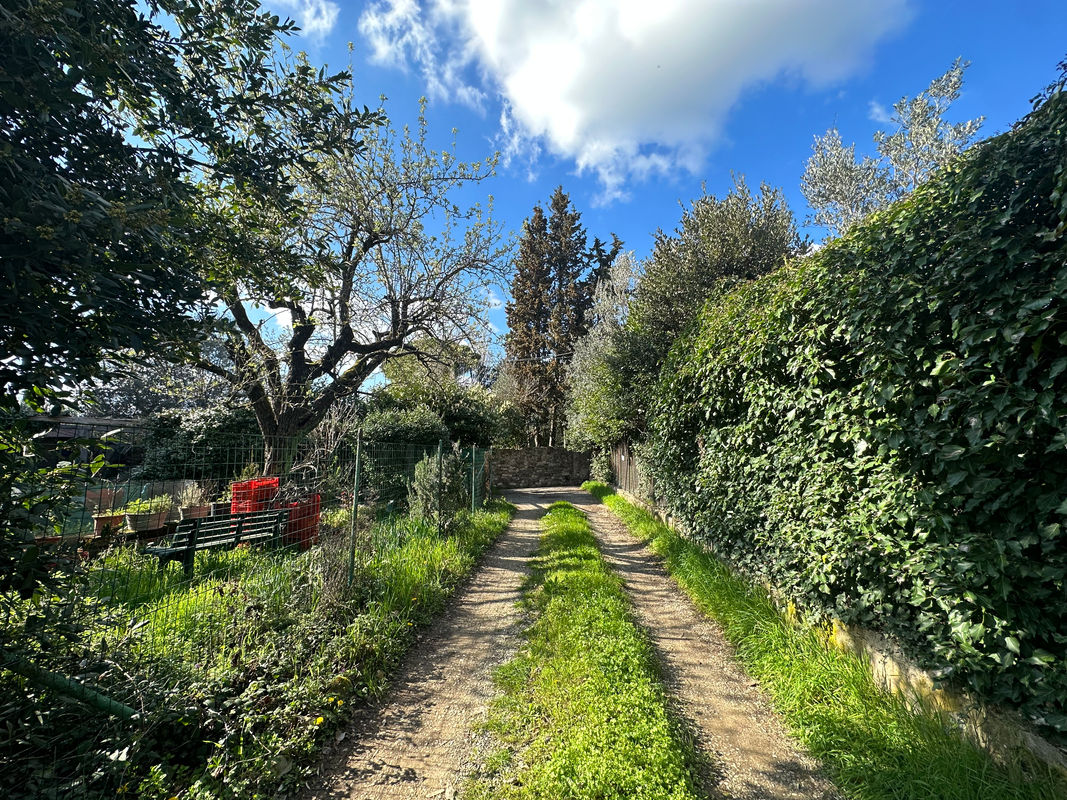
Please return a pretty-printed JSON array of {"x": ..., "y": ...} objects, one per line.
[
  {"x": 416, "y": 743},
  {"x": 731, "y": 717}
]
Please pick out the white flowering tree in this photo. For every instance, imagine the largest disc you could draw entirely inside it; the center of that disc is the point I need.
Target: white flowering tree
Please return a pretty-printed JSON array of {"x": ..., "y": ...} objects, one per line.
[{"x": 380, "y": 255}]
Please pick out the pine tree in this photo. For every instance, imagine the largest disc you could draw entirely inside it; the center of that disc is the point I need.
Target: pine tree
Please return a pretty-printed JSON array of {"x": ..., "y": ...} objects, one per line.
[{"x": 552, "y": 291}]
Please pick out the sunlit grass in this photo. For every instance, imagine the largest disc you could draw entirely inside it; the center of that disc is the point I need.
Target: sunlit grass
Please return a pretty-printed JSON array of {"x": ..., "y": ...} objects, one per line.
[
  {"x": 583, "y": 713},
  {"x": 874, "y": 746},
  {"x": 282, "y": 644}
]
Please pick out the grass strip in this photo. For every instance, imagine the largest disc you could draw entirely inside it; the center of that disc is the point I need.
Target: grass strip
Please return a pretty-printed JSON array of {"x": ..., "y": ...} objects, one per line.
[
  {"x": 874, "y": 746},
  {"x": 583, "y": 712}
]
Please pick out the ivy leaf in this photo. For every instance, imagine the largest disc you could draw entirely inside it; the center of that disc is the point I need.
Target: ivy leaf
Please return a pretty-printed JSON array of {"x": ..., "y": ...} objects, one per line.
[{"x": 951, "y": 452}]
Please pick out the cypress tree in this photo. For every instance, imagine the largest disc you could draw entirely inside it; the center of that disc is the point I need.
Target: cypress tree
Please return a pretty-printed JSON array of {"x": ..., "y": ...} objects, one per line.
[
  {"x": 552, "y": 291},
  {"x": 528, "y": 319}
]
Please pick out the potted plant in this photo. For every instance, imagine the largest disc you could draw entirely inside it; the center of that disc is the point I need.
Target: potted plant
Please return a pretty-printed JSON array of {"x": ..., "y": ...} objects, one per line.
[
  {"x": 147, "y": 515},
  {"x": 108, "y": 521},
  {"x": 222, "y": 504},
  {"x": 193, "y": 502}
]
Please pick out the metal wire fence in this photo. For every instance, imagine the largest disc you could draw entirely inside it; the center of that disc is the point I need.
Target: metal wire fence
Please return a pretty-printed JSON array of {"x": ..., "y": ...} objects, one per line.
[{"x": 174, "y": 566}]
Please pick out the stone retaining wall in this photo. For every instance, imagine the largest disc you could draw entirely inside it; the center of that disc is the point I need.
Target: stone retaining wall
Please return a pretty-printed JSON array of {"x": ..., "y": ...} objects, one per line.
[{"x": 537, "y": 466}]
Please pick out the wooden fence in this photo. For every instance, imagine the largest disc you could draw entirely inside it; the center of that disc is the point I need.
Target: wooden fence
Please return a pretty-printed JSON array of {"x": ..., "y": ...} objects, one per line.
[{"x": 628, "y": 475}]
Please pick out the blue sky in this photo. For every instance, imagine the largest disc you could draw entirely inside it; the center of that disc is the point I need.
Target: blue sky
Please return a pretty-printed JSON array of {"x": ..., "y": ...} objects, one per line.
[{"x": 633, "y": 105}]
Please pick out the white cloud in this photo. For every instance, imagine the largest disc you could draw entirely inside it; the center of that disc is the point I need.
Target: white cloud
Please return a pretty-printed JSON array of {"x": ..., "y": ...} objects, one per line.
[
  {"x": 626, "y": 88},
  {"x": 876, "y": 112},
  {"x": 401, "y": 32},
  {"x": 316, "y": 18}
]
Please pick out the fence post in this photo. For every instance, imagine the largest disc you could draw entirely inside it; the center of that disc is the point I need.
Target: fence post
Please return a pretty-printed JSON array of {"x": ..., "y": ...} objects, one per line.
[
  {"x": 355, "y": 511},
  {"x": 474, "y": 491},
  {"x": 440, "y": 480}
]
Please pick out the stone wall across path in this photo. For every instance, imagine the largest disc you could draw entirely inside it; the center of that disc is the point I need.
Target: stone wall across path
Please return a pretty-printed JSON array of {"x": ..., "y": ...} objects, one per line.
[{"x": 530, "y": 467}]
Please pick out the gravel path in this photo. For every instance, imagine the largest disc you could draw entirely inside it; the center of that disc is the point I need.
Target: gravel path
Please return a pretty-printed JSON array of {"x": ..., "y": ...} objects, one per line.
[
  {"x": 417, "y": 742},
  {"x": 729, "y": 714}
]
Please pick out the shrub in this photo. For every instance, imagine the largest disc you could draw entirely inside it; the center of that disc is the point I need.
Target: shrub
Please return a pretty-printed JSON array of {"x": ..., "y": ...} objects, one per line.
[
  {"x": 600, "y": 467},
  {"x": 439, "y": 494},
  {"x": 404, "y": 426},
  {"x": 879, "y": 430}
]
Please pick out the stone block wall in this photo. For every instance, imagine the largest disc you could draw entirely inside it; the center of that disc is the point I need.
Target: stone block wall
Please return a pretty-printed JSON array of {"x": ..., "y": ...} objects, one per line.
[{"x": 537, "y": 466}]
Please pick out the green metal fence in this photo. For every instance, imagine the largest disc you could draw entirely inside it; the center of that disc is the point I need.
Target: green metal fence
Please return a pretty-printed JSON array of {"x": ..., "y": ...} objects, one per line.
[{"x": 117, "y": 627}]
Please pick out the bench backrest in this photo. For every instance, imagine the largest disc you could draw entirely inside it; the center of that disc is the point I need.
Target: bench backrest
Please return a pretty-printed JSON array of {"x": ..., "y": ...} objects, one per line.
[{"x": 236, "y": 528}]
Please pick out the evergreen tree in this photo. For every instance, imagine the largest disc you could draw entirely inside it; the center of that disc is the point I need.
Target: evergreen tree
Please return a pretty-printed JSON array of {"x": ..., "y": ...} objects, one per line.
[
  {"x": 552, "y": 294},
  {"x": 842, "y": 191},
  {"x": 528, "y": 319},
  {"x": 720, "y": 242}
]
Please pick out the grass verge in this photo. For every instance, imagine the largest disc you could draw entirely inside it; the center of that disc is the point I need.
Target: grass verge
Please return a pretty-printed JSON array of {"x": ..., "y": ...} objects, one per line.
[
  {"x": 874, "y": 746},
  {"x": 583, "y": 713}
]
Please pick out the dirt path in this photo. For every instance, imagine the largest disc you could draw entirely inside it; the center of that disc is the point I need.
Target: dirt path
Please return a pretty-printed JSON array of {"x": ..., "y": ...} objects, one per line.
[
  {"x": 730, "y": 716},
  {"x": 417, "y": 742}
]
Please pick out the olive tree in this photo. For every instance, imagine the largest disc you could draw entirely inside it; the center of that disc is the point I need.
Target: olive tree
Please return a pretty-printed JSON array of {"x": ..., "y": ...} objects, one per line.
[
  {"x": 841, "y": 190},
  {"x": 595, "y": 413},
  {"x": 642, "y": 309}
]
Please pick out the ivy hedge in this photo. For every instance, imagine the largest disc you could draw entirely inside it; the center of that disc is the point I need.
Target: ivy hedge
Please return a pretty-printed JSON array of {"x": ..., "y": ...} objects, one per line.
[{"x": 880, "y": 429}]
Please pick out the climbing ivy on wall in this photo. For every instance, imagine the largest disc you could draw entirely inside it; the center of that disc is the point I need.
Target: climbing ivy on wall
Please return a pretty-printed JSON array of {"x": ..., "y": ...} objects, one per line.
[{"x": 880, "y": 429}]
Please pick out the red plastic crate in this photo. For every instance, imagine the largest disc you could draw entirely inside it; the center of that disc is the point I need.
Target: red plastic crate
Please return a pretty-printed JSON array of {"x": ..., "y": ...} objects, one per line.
[
  {"x": 253, "y": 495},
  {"x": 303, "y": 527}
]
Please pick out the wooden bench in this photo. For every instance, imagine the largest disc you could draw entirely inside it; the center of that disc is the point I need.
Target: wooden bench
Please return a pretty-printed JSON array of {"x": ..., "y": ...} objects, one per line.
[{"x": 223, "y": 531}]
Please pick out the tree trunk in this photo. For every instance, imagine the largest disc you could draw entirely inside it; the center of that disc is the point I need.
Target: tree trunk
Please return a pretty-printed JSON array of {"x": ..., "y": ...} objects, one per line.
[
  {"x": 279, "y": 452},
  {"x": 281, "y": 434}
]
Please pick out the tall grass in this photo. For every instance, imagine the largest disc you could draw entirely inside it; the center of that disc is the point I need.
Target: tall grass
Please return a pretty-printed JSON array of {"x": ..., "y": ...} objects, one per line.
[
  {"x": 873, "y": 744},
  {"x": 254, "y": 662},
  {"x": 583, "y": 713}
]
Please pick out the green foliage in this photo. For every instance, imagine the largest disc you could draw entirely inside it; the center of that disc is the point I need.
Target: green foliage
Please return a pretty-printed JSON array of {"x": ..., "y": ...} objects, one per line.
[
  {"x": 738, "y": 237},
  {"x": 256, "y": 662},
  {"x": 719, "y": 242},
  {"x": 872, "y": 743},
  {"x": 214, "y": 444},
  {"x": 162, "y": 502},
  {"x": 596, "y": 412},
  {"x": 583, "y": 712},
  {"x": 471, "y": 415},
  {"x": 878, "y": 430},
  {"x": 842, "y": 191},
  {"x": 600, "y": 467},
  {"x": 417, "y": 425},
  {"x": 552, "y": 293},
  {"x": 112, "y": 113},
  {"x": 441, "y": 488},
  {"x": 108, "y": 109},
  {"x": 388, "y": 471}
]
